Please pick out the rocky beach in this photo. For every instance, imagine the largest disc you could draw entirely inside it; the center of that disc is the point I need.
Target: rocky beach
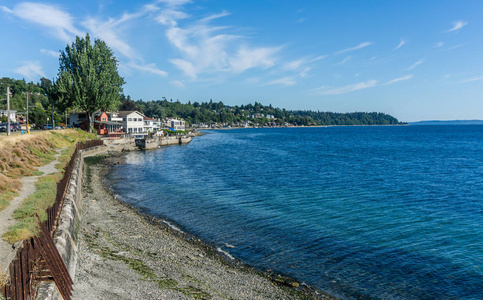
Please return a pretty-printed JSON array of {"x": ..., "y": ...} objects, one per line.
[{"x": 126, "y": 255}]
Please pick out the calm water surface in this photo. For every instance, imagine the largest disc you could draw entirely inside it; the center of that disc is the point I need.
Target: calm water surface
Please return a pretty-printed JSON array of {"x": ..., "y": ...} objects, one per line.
[{"x": 362, "y": 212}]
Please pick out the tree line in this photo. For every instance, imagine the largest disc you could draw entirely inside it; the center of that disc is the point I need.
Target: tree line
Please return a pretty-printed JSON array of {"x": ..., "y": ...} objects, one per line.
[{"x": 256, "y": 114}]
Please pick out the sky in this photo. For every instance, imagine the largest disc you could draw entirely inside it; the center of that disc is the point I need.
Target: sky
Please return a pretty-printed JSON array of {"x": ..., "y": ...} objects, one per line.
[{"x": 415, "y": 60}]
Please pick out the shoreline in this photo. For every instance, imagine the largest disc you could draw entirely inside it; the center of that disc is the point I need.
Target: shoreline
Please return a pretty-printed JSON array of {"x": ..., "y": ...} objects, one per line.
[{"x": 196, "y": 269}]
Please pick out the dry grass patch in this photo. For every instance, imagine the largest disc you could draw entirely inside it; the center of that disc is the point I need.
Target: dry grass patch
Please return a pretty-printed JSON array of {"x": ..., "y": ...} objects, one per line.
[{"x": 20, "y": 155}]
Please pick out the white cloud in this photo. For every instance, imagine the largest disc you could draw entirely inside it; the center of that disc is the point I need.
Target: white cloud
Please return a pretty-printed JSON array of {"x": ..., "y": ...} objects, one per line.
[
  {"x": 50, "y": 52},
  {"x": 300, "y": 20},
  {"x": 58, "y": 21},
  {"x": 407, "y": 77},
  {"x": 177, "y": 83},
  {"x": 472, "y": 79},
  {"x": 401, "y": 43},
  {"x": 345, "y": 60},
  {"x": 107, "y": 31},
  {"x": 457, "y": 26},
  {"x": 150, "y": 68},
  {"x": 415, "y": 64},
  {"x": 186, "y": 67},
  {"x": 287, "y": 81},
  {"x": 324, "y": 90},
  {"x": 208, "y": 49},
  {"x": 246, "y": 58},
  {"x": 30, "y": 70},
  {"x": 215, "y": 16},
  {"x": 170, "y": 16},
  {"x": 360, "y": 46},
  {"x": 439, "y": 45},
  {"x": 305, "y": 72},
  {"x": 297, "y": 64}
]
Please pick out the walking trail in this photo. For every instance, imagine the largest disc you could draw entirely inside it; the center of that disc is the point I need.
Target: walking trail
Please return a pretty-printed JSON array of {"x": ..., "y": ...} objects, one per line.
[{"x": 8, "y": 251}]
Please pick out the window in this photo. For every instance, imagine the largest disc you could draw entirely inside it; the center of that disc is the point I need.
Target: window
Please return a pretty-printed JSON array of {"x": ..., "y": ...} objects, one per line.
[
  {"x": 129, "y": 130},
  {"x": 104, "y": 119},
  {"x": 124, "y": 119},
  {"x": 129, "y": 119}
]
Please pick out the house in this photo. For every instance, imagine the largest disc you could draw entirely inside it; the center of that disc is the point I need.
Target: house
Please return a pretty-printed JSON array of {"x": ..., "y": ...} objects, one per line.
[
  {"x": 133, "y": 123},
  {"x": 12, "y": 114},
  {"x": 151, "y": 125},
  {"x": 77, "y": 118},
  {"x": 176, "y": 124}
]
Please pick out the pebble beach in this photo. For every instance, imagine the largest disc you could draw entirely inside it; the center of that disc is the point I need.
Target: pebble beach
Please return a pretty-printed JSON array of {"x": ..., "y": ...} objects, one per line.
[{"x": 126, "y": 255}]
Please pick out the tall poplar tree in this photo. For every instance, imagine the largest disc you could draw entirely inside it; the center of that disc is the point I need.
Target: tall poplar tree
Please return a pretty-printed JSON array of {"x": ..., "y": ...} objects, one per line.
[{"x": 88, "y": 78}]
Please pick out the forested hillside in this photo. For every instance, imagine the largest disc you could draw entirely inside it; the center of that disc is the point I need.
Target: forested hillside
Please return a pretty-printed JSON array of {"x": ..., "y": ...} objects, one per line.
[{"x": 255, "y": 114}]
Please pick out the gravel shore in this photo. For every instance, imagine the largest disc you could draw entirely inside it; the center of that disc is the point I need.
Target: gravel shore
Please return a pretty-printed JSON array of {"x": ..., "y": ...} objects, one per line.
[{"x": 125, "y": 255}]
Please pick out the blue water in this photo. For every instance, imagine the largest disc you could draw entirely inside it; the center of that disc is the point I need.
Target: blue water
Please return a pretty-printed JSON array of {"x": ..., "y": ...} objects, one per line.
[{"x": 361, "y": 212}]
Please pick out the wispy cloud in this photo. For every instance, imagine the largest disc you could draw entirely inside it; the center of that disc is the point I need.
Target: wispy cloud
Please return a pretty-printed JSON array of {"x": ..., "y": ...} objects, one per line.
[
  {"x": 345, "y": 60},
  {"x": 150, "y": 68},
  {"x": 205, "y": 48},
  {"x": 30, "y": 70},
  {"x": 324, "y": 90},
  {"x": 415, "y": 64},
  {"x": 287, "y": 81},
  {"x": 471, "y": 79},
  {"x": 300, "y": 20},
  {"x": 452, "y": 47},
  {"x": 177, "y": 83},
  {"x": 360, "y": 46},
  {"x": 439, "y": 45},
  {"x": 407, "y": 77},
  {"x": 401, "y": 43},
  {"x": 59, "y": 22},
  {"x": 50, "y": 52},
  {"x": 298, "y": 63},
  {"x": 457, "y": 26},
  {"x": 108, "y": 31}
]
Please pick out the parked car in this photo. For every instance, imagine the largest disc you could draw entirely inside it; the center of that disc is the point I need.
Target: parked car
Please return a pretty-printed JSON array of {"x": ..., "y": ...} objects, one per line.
[
  {"x": 3, "y": 127},
  {"x": 47, "y": 127}
]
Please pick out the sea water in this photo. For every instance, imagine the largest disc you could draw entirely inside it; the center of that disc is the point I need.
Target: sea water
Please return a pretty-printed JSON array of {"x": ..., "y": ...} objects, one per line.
[{"x": 390, "y": 212}]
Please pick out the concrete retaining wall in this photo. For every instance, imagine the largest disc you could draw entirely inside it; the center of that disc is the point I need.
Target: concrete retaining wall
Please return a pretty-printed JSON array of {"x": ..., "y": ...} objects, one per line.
[{"x": 65, "y": 236}]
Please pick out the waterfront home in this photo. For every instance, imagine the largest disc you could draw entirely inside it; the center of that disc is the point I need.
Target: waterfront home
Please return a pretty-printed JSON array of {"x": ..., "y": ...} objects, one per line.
[
  {"x": 12, "y": 114},
  {"x": 133, "y": 123},
  {"x": 151, "y": 125},
  {"x": 176, "y": 124}
]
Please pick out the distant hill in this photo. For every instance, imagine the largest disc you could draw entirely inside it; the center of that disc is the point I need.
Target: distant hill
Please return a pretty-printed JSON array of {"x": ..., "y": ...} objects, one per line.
[{"x": 453, "y": 122}]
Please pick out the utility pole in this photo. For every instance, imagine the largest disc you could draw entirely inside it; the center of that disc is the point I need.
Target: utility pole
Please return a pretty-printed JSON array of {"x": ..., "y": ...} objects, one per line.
[
  {"x": 28, "y": 127},
  {"x": 53, "y": 121},
  {"x": 8, "y": 110}
]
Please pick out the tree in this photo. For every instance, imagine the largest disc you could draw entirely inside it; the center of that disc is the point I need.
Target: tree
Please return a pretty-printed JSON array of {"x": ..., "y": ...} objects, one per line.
[{"x": 88, "y": 78}]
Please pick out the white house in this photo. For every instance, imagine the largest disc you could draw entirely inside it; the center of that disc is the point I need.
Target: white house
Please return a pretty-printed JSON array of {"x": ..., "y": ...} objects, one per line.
[
  {"x": 12, "y": 114},
  {"x": 133, "y": 122},
  {"x": 151, "y": 125},
  {"x": 176, "y": 124}
]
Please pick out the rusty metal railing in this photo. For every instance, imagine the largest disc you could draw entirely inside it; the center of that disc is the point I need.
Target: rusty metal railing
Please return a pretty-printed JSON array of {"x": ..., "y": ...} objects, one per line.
[{"x": 37, "y": 258}]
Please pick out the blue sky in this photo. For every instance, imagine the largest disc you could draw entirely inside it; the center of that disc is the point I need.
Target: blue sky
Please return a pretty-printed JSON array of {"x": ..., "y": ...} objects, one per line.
[{"x": 415, "y": 60}]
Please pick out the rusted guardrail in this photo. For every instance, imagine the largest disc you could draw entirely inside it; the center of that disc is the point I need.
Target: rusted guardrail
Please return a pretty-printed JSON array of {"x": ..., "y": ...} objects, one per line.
[{"x": 37, "y": 258}]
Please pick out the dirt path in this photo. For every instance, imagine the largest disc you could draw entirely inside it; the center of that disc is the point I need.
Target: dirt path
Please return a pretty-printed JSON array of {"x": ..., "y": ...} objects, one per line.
[{"x": 7, "y": 251}]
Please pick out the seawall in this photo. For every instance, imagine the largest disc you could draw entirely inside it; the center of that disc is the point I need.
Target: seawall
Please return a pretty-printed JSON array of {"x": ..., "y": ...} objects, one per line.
[{"x": 65, "y": 236}]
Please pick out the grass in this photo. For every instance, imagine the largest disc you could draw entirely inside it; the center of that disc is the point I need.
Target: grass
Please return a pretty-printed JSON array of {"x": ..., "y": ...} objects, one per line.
[
  {"x": 20, "y": 155},
  {"x": 4, "y": 279},
  {"x": 38, "y": 202}
]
